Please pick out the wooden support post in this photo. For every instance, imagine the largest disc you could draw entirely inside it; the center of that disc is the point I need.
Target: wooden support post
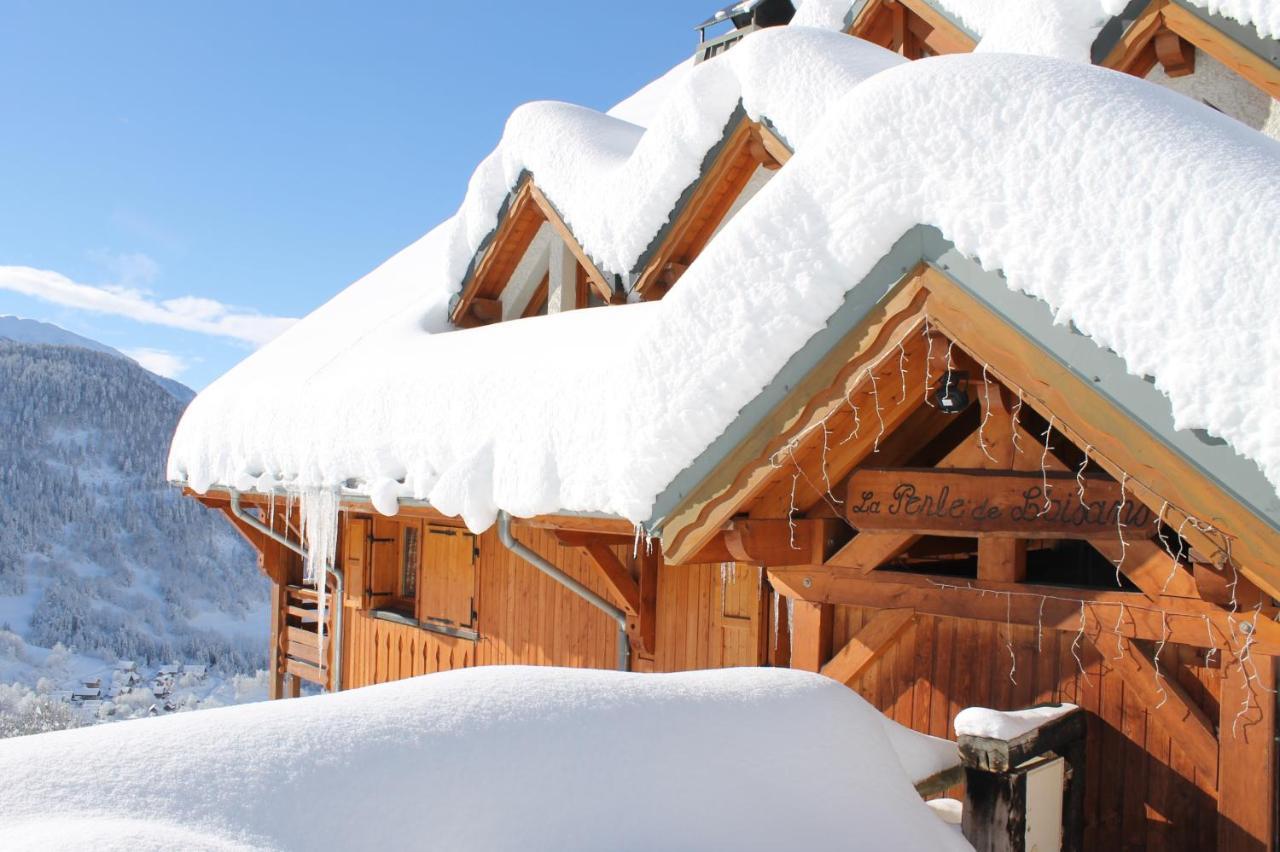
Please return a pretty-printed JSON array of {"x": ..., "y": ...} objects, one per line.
[
  {"x": 1002, "y": 559},
  {"x": 811, "y": 635},
  {"x": 1247, "y": 754},
  {"x": 870, "y": 643},
  {"x": 275, "y": 684}
]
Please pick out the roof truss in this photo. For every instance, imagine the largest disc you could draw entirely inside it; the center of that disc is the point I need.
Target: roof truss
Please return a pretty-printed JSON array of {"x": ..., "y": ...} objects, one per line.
[
  {"x": 1167, "y": 32},
  {"x": 793, "y": 462},
  {"x": 913, "y": 28},
  {"x": 525, "y": 211},
  {"x": 748, "y": 145}
]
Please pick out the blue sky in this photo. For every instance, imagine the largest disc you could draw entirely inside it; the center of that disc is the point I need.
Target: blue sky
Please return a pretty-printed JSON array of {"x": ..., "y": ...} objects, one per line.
[{"x": 178, "y": 176}]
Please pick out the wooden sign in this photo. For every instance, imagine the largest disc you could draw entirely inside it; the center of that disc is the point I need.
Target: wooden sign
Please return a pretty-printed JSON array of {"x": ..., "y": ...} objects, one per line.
[{"x": 934, "y": 501}]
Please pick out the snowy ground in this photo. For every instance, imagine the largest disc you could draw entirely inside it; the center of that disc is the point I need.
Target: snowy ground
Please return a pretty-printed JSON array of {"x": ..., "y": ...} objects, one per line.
[
  {"x": 43, "y": 689},
  {"x": 492, "y": 758}
]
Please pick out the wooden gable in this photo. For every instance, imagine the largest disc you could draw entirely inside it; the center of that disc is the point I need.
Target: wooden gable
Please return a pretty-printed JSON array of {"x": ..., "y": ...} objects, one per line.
[
  {"x": 863, "y": 404},
  {"x": 1169, "y": 33},
  {"x": 748, "y": 145},
  {"x": 913, "y": 28},
  {"x": 525, "y": 211},
  {"x": 1037, "y": 545}
]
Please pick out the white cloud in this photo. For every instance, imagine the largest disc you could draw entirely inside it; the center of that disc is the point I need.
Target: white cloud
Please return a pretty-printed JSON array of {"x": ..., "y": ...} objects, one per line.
[
  {"x": 167, "y": 364},
  {"x": 132, "y": 269},
  {"x": 190, "y": 313}
]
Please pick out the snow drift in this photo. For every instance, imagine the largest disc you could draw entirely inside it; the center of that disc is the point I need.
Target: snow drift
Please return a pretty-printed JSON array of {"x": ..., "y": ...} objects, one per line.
[{"x": 491, "y": 758}]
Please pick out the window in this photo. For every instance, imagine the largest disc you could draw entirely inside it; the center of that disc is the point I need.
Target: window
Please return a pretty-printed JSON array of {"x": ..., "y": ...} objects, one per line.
[
  {"x": 417, "y": 573},
  {"x": 409, "y": 562}
]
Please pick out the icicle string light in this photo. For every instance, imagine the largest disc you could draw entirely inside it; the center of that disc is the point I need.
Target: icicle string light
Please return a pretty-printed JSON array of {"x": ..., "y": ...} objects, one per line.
[
  {"x": 1124, "y": 545},
  {"x": 986, "y": 415},
  {"x": 1080, "y": 477},
  {"x": 1044, "y": 469}
]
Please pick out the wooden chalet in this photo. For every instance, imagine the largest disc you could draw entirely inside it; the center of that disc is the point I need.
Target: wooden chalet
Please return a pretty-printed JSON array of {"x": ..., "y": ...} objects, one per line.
[
  {"x": 1161, "y": 40},
  {"x": 944, "y": 500}
]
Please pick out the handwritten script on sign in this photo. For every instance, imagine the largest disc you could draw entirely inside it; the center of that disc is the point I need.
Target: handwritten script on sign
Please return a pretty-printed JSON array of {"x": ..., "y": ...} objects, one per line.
[{"x": 969, "y": 502}]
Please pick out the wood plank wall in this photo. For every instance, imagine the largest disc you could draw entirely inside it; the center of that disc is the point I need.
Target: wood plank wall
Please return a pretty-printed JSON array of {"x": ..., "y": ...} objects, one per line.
[
  {"x": 526, "y": 618},
  {"x": 1149, "y": 797}
]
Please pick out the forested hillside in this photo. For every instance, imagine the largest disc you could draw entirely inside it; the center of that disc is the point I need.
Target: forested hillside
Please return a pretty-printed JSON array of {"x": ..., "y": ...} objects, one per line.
[{"x": 97, "y": 551}]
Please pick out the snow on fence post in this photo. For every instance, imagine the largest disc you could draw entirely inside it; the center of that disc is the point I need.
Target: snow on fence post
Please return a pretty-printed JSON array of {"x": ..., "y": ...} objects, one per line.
[{"x": 1024, "y": 778}]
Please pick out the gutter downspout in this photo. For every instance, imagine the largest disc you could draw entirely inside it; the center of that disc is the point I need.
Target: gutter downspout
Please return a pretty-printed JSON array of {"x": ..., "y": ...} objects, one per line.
[
  {"x": 336, "y": 639},
  {"x": 510, "y": 543}
]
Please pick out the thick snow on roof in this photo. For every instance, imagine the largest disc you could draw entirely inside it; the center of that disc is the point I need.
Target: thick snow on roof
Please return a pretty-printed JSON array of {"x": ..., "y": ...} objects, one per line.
[
  {"x": 1062, "y": 28},
  {"x": 1146, "y": 219},
  {"x": 488, "y": 758},
  {"x": 616, "y": 184}
]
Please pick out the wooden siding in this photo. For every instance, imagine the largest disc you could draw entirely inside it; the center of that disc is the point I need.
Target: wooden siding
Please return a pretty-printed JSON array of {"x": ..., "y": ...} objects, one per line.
[
  {"x": 1141, "y": 791},
  {"x": 526, "y": 618}
]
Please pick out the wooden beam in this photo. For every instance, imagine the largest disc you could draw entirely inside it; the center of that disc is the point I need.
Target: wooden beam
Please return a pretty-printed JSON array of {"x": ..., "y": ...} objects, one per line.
[
  {"x": 594, "y": 275},
  {"x": 1157, "y": 473},
  {"x": 779, "y": 541},
  {"x": 1187, "y": 622},
  {"x": 810, "y": 634},
  {"x": 256, "y": 539},
  {"x": 868, "y": 644},
  {"x": 867, "y": 551},
  {"x": 582, "y": 523},
  {"x": 481, "y": 311},
  {"x": 625, "y": 589},
  {"x": 747, "y": 470},
  {"x": 1247, "y": 755},
  {"x": 1164, "y": 698},
  {"x": 511, "y": 239},
  {"x": 1148, "y": 566},
  {"x": 1176, "y": 55},
  {"x": 944, "y": 37},
  {"x": 1223, "y": 48},
  {"x": 773, "y": 144},
  {"x": 1002, "y": 559},
  {"x": 1130, "y": 53},
  {"x": 538, "y": 299}
]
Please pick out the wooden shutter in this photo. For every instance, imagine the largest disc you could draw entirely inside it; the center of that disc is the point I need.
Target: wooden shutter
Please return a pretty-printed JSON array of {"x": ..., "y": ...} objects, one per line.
[
  {"x": 740, "y": 615},
  {"x": 355, "y": 561},
  {"x": 446, "y": 590},
  {"x": 385, "y": 561}
]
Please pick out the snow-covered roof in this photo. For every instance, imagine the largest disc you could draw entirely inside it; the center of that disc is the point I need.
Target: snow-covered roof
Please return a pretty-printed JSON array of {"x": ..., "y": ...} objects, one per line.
[
  {"x": 1101, "y": 195},
  {"x": 509, "y": 758},
  {"x": 1063, "y": 28}
]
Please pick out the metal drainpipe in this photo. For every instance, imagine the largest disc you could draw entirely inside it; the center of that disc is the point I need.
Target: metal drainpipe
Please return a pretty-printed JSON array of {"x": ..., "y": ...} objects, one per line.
[
  {"x": 510, "y": 543},
  {"x": 336, "y": 659}
]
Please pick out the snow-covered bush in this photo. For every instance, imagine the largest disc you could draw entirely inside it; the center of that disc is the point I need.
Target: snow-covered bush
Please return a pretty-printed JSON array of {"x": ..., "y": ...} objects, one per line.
[{"x": 24, "y": 711}]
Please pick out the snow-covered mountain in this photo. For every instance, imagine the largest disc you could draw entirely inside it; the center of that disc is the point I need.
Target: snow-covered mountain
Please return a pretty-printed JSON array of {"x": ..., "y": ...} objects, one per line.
[
  {"x": 22, "y": 330},
  {"x": 97, "y": 552}
]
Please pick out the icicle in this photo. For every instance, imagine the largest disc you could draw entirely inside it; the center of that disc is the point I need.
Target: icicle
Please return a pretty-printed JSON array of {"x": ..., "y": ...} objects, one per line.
[{"x": 319, "y": 510}]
